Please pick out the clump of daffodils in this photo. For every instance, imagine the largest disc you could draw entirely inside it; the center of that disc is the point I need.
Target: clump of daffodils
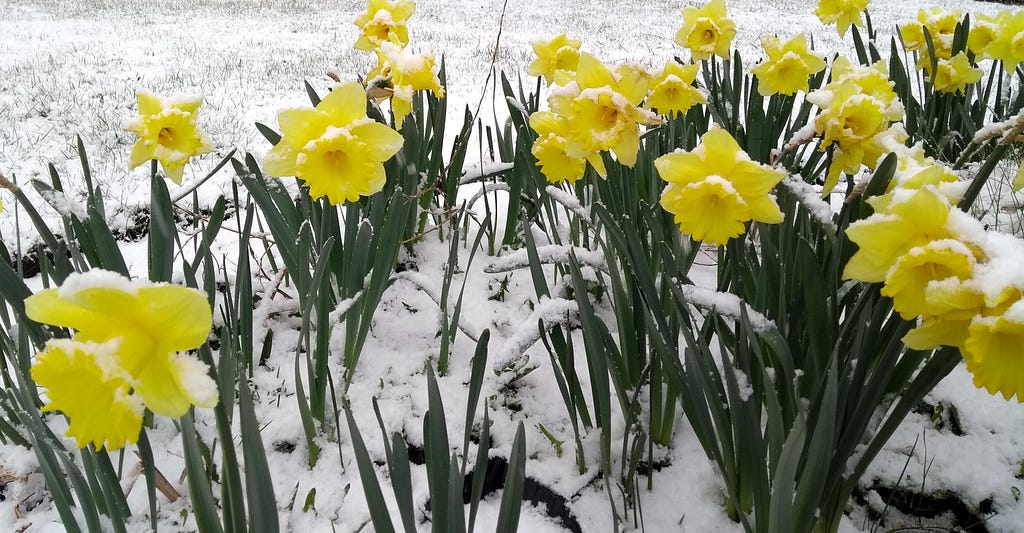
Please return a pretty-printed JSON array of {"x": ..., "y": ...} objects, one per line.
[
  {"x": 167, "y": 132},
  {"x": 940, "y": 26},
  {"x": 128, "y": 353},
  {"x": 842, "y": 13},
  {"x": 706, "y": 31},
  {"x": 334, "y": 148},
  {"x": 399, "y": 72},
  {"x": 961, "y": 284},
  {"x": 859, "y": 116},
  {"x": 715, "y": 189},
  {"x": 597, "y": 111},
  {"x": 952, "y": 72},
  {"x": 788, "y": 66}
]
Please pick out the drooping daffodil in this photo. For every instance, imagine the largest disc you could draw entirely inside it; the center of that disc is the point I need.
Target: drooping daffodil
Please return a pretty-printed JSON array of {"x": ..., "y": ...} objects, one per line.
[{"x": 129, "y": 350}]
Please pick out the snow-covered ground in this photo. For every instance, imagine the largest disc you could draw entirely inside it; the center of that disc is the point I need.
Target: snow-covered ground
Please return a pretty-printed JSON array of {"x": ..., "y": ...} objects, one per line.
[{"x": 70, "y": 68}]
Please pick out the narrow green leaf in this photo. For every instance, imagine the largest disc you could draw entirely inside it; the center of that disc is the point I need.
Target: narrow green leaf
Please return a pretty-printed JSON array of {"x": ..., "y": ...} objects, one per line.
[{"x": 515, "y": 477}]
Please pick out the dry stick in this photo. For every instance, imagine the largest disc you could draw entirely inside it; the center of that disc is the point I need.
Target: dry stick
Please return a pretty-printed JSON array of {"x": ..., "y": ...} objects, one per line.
[
  {"x": 165, "y": 487},
  {"x": 463, "y": 139}
]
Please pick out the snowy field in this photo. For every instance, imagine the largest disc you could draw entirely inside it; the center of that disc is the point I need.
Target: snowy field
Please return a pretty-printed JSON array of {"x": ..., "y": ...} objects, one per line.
[{"x": 73, "y": 67}]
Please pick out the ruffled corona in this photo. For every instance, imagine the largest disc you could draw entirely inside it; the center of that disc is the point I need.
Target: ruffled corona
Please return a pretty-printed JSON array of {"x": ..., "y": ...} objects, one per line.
[{"x": 84, "y": 381}]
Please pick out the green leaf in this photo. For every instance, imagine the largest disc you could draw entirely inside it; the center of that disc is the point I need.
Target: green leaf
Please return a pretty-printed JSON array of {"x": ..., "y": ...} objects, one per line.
[
  {"x": 259, "y": 486},
  {"x": 379, "y": 514},
  {"x": 515, "y": 477}
]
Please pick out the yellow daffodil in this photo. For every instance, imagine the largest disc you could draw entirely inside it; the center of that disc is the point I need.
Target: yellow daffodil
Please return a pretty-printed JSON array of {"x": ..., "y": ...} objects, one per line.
[
  {"x": 936, "y": 261},
  {"x": 601, "y": 109},
  {"x": 384, "y": 22},
  {"x": 918, "y": 175},
  {"x": 672, "y": 90},
  {"x": 954, "y": 75},
  {"x": 984, "y": 30},
  {"x": 955, "y": 304},
  {"x": 940, "y": 25},
  {"x": 556, "y": 59},
  {"x": 788, "y": 66},
  {"x": 406, "y": 72},
  {"x": 993, "y": 355},
  {"x": 843, "y": 13},
  {"x": 167, "y": 132},
  {"x": 716, "y": 188},
  {"x": 1008, "y": 46},
  {"x": 858, "y": 109},
  {"x": 706, "y": 31},
  {"x": 84, "y": 381},
  {"x": 550, "y": 149},
  {"x": 152, "y": 325},
  {"x": 914, "y": 218},
  {"x": 335, "y": 149},
  {"x": 634, "y": 82}
]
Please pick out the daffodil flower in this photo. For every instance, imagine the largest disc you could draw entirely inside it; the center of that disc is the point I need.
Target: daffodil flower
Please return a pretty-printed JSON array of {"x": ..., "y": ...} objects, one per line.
[
  {"x": 153, "y": 325},
  {"x": 984, "y": 30},
  {"x": 672, "y": 90},
  {"x": 706, "y": 31},
  {"x": 384, "y": 21},
  {"x": 406, "y": 72},
  {"x": 914, "y": 218},
  {"x": 713, "y": 190},
  {"x": 556, "y": 59},
  {"x": 128, "y": 351},
  {"x": 601, "y": 107},
  {"x": 167, "y": 132},
  {"x": 335, "y": 149},
  {"x": 858, "y": 109},
  {"x": 954, "y": 75},
  {"x": 551, "y": 150},
  {"x": 842, "y": 13},
  {"x": 788, "y": 66},
  {"x": 908, "y": 280},
  {"x": 992, "y": 352},
  {"x": 1008, "y": 46}
]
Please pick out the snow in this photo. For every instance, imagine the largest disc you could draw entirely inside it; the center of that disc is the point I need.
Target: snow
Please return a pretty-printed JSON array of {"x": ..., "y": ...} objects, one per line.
[
  {"x": 552, "y": 253},
  {"x": 74, "y": 68},
  {"x": 98, "y": 279},
  {"x": 810, "y": 199},
  {"x": 725, "y": 304}
]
